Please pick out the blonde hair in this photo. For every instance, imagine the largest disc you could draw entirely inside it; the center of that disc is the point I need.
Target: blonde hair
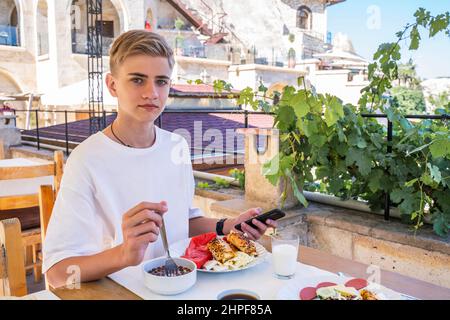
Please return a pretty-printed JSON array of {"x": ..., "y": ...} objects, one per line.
[{"x": 136, "y": 42}]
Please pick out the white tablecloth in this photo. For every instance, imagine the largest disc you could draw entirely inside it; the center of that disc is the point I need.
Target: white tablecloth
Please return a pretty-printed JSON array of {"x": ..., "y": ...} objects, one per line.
[
  {"x": 259, "y": 279},
  {"x": 22, "y": 186}
]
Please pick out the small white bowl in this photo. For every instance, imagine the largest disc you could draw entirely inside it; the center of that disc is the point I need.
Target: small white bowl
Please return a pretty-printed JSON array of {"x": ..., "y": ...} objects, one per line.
[{"x": 169, "y": 285}]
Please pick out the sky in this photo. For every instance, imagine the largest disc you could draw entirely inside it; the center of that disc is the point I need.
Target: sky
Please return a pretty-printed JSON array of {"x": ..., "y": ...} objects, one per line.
[{"x": 369, "y": 23}]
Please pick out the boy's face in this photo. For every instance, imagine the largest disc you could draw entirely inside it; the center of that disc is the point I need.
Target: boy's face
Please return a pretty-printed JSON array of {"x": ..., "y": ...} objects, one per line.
[{"x": 141, "y": 84}]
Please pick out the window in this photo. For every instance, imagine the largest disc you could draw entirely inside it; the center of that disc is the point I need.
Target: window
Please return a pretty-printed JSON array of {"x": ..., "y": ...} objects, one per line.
[
  {"x": 304, "y": 18},
  {"x": 107, "y": 28}
]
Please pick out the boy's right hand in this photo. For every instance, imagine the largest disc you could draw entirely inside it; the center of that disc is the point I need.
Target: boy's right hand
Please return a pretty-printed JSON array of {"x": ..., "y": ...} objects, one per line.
[{"x": 140, "y": 226}]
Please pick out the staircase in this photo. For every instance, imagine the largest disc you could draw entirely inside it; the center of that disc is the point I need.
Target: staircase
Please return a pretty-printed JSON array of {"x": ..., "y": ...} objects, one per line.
[{"x": 192, "y": 16}]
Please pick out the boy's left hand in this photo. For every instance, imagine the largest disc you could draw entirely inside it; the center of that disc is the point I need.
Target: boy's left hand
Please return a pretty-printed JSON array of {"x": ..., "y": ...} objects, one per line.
[{"x": 252, "y": 233}]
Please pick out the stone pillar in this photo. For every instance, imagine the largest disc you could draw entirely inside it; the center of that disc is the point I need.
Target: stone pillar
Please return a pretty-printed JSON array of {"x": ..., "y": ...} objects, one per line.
[{"x": 257, "y": 188}]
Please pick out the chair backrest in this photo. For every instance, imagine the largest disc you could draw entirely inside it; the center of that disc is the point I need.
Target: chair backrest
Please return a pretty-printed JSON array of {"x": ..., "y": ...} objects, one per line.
[
  {"x": 12, "y": 266},
  {"x": 2, "y": 150},
  {"x": 30, "y": 200},
  {"x": 47, "y": 198}
]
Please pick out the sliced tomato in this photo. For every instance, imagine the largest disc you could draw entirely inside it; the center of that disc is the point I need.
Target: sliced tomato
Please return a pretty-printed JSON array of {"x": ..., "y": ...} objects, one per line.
[
  {"x": 308, "y": 293},
  {"x": 357, "y": 283},
  {"x": 325, "y": 284}
]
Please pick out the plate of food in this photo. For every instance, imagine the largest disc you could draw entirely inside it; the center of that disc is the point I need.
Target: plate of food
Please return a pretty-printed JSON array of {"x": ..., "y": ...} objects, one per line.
[
  {"x": 335, "y": 288},
  {"x": 218, "y": 254}
]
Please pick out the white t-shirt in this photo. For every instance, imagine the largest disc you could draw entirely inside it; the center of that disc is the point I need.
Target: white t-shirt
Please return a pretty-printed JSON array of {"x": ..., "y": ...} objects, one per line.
[{"x": 104, "y": 179}]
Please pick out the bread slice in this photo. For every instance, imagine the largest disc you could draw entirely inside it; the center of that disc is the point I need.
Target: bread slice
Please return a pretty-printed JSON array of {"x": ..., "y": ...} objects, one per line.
[
  {"x": 242, "y": 243},
  {"x": 220, "y": 250}
]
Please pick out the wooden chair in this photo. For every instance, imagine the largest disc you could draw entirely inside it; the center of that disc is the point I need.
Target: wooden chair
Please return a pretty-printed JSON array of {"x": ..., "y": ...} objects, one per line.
[
  {"x": 2, "y": 150},
  {"x": 47, "y": 197},
  {"x": 12, "y": 266},
  {"x": 32, "y": 238}
]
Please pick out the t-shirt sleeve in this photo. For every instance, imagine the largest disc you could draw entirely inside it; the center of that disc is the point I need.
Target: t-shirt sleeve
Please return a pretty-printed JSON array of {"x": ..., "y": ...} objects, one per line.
[{"x": 74, "y": 228}]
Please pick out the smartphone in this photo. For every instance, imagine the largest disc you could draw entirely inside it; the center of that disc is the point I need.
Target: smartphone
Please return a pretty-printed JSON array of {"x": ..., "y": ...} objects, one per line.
[{"x": 274, "y": 214}]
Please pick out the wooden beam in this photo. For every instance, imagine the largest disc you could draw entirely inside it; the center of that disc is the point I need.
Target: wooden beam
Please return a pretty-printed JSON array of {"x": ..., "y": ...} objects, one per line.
[
  {"x": 19, "y": 202},
  {"x": 24, "y": 172}
]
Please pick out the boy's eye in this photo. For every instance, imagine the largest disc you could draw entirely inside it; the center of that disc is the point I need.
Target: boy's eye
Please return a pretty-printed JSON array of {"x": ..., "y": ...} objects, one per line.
[
  {"x": 161, "y": 82},
  {"x": 137, "y": 80}
]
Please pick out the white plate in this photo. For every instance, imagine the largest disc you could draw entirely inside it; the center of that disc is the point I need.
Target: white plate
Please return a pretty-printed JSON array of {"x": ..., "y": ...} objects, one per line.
[
  {"x": 291, "y": 291},
  {"x": 179, "y": 248}
]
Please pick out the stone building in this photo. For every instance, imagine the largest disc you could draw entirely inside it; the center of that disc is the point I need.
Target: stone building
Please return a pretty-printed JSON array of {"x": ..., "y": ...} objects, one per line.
[{"x": 43, "y": 42}]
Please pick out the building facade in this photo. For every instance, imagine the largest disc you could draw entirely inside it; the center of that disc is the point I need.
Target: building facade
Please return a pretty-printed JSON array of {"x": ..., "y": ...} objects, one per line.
[{"x": 43, "y": 42}]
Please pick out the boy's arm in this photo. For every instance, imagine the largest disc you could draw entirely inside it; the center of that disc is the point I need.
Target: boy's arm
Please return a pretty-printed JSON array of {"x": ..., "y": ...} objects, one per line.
[
  {"x": 90, "y": 268},
  {"x": 140, "y": 226},
  {"x": 203, "y": 225}
]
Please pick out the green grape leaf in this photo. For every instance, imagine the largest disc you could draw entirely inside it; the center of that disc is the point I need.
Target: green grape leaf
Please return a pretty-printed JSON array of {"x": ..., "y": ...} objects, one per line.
[
  {"x": 441, "y": 223},
  {"x": 362, "y": 160},
  {"x": 440, "y": 147},
  {"x": 333, "y": 112},
  {"x": 435, "y": 173},
  {"x": 375, "y": 180},
  {"x": 318, "y": 140},
  {"x": 299, "y": 104},
  {"x": 415, "y": 38}
]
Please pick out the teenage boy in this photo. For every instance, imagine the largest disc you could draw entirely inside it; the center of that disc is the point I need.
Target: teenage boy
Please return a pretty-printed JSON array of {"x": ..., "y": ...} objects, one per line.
[{"x": 119, "y": 183}]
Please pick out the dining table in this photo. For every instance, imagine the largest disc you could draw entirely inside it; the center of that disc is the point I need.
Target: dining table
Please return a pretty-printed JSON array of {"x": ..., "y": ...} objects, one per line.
[{"x": 309, "y": 259}]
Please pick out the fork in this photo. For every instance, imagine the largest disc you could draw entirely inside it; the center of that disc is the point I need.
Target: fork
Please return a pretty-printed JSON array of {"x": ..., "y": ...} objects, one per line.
[{"x": 170, "y": 267}]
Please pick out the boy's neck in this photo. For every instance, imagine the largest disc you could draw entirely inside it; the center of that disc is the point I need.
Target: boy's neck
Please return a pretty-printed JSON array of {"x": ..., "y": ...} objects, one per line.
[{"x": 134, "y": 134}]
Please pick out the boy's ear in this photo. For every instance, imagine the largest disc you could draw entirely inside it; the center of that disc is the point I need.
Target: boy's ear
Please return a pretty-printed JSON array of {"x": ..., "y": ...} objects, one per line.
[{"x": 111, "y": 84}]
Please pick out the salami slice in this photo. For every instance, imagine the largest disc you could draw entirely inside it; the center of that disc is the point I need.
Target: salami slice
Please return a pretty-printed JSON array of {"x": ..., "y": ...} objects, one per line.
[
  {"x": 325, "y": 284},
  {"x": 357, "y": 283},
  {"x": 308, "y": 293}
]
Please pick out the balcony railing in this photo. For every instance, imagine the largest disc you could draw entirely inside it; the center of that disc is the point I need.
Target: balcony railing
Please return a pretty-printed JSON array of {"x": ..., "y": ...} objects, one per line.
[
  {"x": 195, "y": 52},
  {"x": 79, "y": 44},
  {"x": 9, "y": 36}
]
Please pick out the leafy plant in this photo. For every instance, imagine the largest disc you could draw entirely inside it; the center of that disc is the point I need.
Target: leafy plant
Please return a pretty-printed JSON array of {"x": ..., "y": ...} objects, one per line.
[
  {"x": 441, "y": 101},
  {"x": 218, "y": 184},
  {"x": 179, "y": 24},
  {"x": 203, "y": 185},
  {"x": 330, "y": 146},
  {"x": 408, "y": 100},
  {"x": 238, "y": 175},
  {"x": 221, "y": 183}
]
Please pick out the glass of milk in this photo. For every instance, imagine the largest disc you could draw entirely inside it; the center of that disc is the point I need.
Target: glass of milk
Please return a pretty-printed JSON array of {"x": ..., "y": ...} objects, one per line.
[{"x": 284, "y": 254}]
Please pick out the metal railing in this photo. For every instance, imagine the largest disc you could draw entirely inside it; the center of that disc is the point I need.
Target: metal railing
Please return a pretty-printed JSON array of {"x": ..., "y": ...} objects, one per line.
[{"x": 246, "y": 114}]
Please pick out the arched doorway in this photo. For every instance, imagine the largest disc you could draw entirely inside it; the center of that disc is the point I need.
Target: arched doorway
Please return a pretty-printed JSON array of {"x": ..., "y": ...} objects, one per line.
[
  {"x": 9, "y": 23},
  {"x": 9, "y": 86},
  {"x": 111, "y": 25},
  {"x": 304, "y": 18},
  {"x": 42, "y": 28}
]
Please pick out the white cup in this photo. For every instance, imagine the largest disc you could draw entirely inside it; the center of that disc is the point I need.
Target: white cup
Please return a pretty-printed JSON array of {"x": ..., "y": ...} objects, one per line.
[{"x": 284, "y": 254}]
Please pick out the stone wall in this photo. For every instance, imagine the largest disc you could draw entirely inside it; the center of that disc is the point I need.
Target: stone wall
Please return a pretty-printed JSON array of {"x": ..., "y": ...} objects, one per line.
[
  {"x": 241, "y": 76},
  {"x": 192, "y": 68},
  {"x": 354, "y": 235},
  {"x": 336, "y": 82}
]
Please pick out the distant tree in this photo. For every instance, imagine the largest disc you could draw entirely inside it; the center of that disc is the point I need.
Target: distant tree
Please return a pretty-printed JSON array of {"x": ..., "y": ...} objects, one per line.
[
  {"x": 408, "y": 100},
  {"x": 407, "y": 75},
  {"x": 441, "y": 101}
]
